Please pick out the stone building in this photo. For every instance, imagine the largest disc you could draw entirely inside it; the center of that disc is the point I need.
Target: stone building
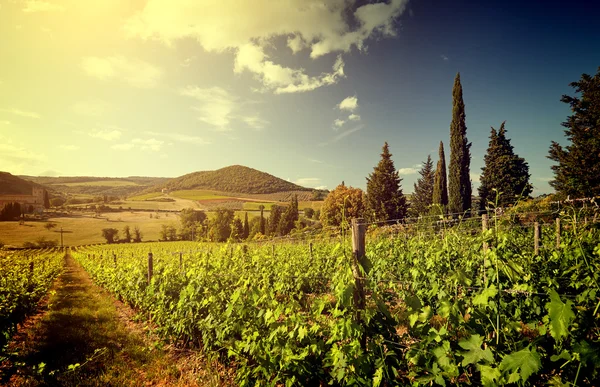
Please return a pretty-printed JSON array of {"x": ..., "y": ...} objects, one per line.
[{"x": 36, "y": 199}]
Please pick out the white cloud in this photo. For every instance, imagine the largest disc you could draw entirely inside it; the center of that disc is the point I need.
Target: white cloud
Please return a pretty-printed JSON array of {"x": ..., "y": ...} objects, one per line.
[
  {"x": 338, "y": 123},
  {"x": 69, "y": 147},
  {"x": 408, "y": 171},
  {"x": 444, "y": 57},
  {"x": 132, "y": 71},
  {"x": 32, "y": 6},
  {"x": 218, "y": 108},
  {"x": 185, "y": 138},
  {"x": 107, "y": 134},
  {"x": 354, "y": 117},
  {"x": 123, "y": 147},
  {"x": 92, "y": 108},
  {"x": 310, "y": 182},
  {"x": 246, "y": 28},
  {"x": 17, "y": 159},
  {"x": 474, "y": 177},
  {"x": 150, "y": 144},
  {"x": 21, "y": 113},
  {"x": 349, "y": 104}
]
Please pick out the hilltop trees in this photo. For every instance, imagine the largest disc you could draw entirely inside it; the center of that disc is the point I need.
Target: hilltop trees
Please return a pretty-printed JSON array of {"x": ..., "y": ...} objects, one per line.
[
  {"x": 423, "y": 196},
  {"x": 578, "y": 170},
  {"x": 504, "y": 172},
  {"x": 343, "y": 203},
  {"x": 459, "y": 181},
  {"x": 440, "y": 185},
  {"x": 385, "y": 199}
]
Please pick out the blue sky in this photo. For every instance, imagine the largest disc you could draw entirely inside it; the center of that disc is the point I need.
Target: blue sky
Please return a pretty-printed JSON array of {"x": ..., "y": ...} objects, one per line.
[{"x": 303, "y": 91}]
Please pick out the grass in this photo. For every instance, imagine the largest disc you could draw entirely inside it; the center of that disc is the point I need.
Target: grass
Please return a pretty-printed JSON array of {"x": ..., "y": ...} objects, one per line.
[
  {"x": 254, "y": 206},
  {"x": 147, "y": 196},
  {"x": 198, "y": 195},
  {"x": 86, "y": 339},
  {"x": 101, "y": 183},
  {"x": 85, "y": 229},
  {"x": 315, "y": 205}
]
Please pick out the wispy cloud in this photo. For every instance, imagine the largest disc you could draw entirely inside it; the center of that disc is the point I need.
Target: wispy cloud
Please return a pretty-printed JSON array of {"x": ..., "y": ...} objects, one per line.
[
  {"x": 135, "y": 72},
  {"x": 349, "y": 104},
  {"x": 150, "y": 144},
  {"x": 109, "y": 134},
  {"x": 310, "y": 182},
  {"x": 179, "y": 137},
  {"x": 68, "y": 147},
  {"x": 17, "y": 159},
  {"x": 91, "y": 108},
  {"x": 123, "y": 147},
  {"x": 255, "y": 122},
  {"x": 408, "y": 171},
  {"x": 444, "y": 57},
  {"x": 342, "y": 135},
  {"x": 338, "y": 123},
  {"x": 21, "y": 113},
  {"x": 354, "y": 117},
  {"x": 32, "y": 6}
]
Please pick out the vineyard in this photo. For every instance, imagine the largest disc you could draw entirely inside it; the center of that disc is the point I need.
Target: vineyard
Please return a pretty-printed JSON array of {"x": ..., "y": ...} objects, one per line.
[
  {"x": 442, "y": 305},
  {"x": 25, "y": 278}
]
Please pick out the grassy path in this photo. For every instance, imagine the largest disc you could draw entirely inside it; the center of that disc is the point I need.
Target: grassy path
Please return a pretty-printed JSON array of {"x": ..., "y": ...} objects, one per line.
[{"x": 86, "y": 339}]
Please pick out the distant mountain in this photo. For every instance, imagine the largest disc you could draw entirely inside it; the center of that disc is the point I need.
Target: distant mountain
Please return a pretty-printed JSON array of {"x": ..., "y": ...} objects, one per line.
[
  {"x": 234, "y": 179},
  {"x": 14, "y": 185}
]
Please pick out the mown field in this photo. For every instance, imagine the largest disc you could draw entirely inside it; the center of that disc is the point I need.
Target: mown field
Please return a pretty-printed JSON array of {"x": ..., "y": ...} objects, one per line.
[{"x": 438, "y": 307}]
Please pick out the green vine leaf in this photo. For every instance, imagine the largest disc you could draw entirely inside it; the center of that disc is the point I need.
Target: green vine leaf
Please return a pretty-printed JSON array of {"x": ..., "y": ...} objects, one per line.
[
  {"x": 474, "y": 353},
  {"x": 560, "y": 315},
  {"x": 525, "y": 361}
]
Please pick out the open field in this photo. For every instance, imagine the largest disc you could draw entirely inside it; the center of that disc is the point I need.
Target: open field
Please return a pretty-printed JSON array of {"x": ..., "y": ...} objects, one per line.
[
  {"x": 85, "y": 229},
  {"x": 198, "y": 195},
  {"x": 147, "y": 196}
]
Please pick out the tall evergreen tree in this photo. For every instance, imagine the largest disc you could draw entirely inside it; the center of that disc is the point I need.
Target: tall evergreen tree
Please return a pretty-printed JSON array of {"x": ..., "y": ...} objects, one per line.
[
  {"x": 459, "y": 181},
  {"x": 46, "y": 200},
  {"x": 440, "y": 184},
  {"x": 274, "y": 219},
  {"x": 289, "y": 217},
  {"x": 262, "y": 225},
  {"x": 578, "y": 170},
  {"x": 246, "y": 227},
  {"x": 385, "y": 199},
  {"x": 504, "y": 171},
  {"x": 422, "y": 198}
]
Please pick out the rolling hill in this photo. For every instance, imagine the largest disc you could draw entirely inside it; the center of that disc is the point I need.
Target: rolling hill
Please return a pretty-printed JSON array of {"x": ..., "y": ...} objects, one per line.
[
  {"x": 234, "y": 179},
  {"x": 14, "y": 185},
  {"x": 91, "y": 185}
]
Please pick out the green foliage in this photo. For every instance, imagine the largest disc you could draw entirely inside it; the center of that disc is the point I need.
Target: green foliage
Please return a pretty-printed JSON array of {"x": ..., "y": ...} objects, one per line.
[
  {"x": 440, "y": 184},
  {"x": 289, "y": 217},
  {"x": 126, "y": 234},
  {"x": 343, "y": 203},
  {"x": 110, "y": 234},
  {"x": 190, "y": 220},
  {"x": 236, "y": 179},
  {"x": 10, "y": 211},
  {"x": 137, "y": 234},
  {"x": 422, "y": 198},
  {"x": 577, "y": 172},
  {"x": 237, "y": 230},
  {"x": 505, "y": 176},
  {"x": 274, "y": 220},
  {"x": 521, "y": 364},
  {"x": 560, "y": 316},
  {"x": 246, "y": 232},
  {"x": 384, "y": 198},
  {"x": 459, "y": 181},
  {"x": 220, "y": 225},
  {"x": 57, "y": 201}
]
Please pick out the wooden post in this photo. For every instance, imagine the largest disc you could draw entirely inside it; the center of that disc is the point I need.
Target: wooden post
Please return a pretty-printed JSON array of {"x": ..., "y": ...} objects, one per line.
[
  {"x": 558, "y": 233},
  {"x": 484, "y": 228},
  {"x": 180, "y": 260},
  {"x": 273, "y": 250},
  {"x": 310, "y": 248},
  {"x": 358, "y": 253},
  {"x": 115, "y": 259},
  {"x": 150, "y": 267},
  {"x": 31, "y": 267},
  {"x": 536, "y": 237}
]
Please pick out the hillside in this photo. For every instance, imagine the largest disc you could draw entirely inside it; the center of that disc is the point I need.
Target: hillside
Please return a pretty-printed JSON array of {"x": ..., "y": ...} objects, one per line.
[
  {"x": 13, "y": 185},
  {"x": 235, "y": 178},
  {"x": 90, "y": 185}
]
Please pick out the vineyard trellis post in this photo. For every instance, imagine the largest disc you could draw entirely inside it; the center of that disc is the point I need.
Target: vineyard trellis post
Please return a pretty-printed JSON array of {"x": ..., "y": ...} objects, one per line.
[
  {"x": 358, "y": 253},
  {"x": 536, "y": 237},
  {"x": 558, "y": 233},
  {"x": 484, "y": 227},
  {"x": 310, "y": 248},
  {"x": 180, "y": 260},
  {"x": 150, "y": 267},
  {"x": 115, "y": 258}
]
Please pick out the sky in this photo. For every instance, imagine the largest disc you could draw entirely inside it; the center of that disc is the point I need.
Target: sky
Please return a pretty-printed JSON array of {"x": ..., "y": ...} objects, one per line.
[{"x": 305, "y": 90}]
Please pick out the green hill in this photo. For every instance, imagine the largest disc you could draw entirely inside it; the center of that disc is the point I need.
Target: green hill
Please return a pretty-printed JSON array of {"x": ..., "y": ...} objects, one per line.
[
  {"x": 13, "y": 185},
  {"x": 92, "y": 185},
  {"x": 235, "y": 179}
]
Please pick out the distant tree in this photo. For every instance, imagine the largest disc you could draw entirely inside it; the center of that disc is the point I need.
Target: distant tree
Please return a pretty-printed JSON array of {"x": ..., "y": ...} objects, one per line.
[
  {"x": 440, "y": 185},
  {"x": 126, "y": 234},
  {"x": 110, "y": 234},
  {"x": 317, "y": 215},
  {"x": 274, "y": 219},
  {"x": 246, "y": 232},
  {"x": 43, "y": 243},
  {"x": 505, "y": 176},
  {"x": 289, "y": 217},
  {"x": 422, "y": 198},
  {"x": 262, "y": 224},
  {"x": 46, "y": 200},
  {"x": 10, "y": 211},
  {"x": 237, "y": 230},
  {"x": 190, "y": 220},
  {"x": 220, "y": 225},
  {"x": 137, "y": 234},
  {"x": 459, "y": 179},
  {"x": 385, "y": 199},
  {"x": 342, "y": 204},
  {"x": 254, "y": 226},
  {"x": 164, "y": 232},
  {"x": 57, "y": 201},
  {"x": 309, "y": 212},
  {"x": 49, "y": 225},
  {"x": 577, "y": 173},
  {"x": 172, "y": 233}
]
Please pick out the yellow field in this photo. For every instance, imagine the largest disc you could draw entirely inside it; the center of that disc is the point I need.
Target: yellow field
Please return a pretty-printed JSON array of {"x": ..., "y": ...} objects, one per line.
[
  {"x": 85, "y": 228},
  {"x": 100, "y": 183},
  {"x": 147, "y": 196},
  {"x": 198, "y": 195}
]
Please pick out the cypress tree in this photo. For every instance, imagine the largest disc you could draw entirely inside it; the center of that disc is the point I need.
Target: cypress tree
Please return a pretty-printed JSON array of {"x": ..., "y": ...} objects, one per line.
[
  {"x": 385, "y": 199},
  {"x": 422, "y": 198},
  {"x": 577, "y": 173},
  {"x": 46, "y": 200},
  {"x": 504, "y": 171},
  {"x": 262, "y": 225},
  {"x": 289, "y": 217},
  {"x": 246, "y": 227},
  {"x": 274, "y": 220},
  {"x": 440, "y": 184},
  {"x": 459, "y": 181}
]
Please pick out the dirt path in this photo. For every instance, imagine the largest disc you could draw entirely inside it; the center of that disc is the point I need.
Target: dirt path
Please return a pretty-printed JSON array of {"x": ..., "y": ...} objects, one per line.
[{"x": 86, "y": 338}]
